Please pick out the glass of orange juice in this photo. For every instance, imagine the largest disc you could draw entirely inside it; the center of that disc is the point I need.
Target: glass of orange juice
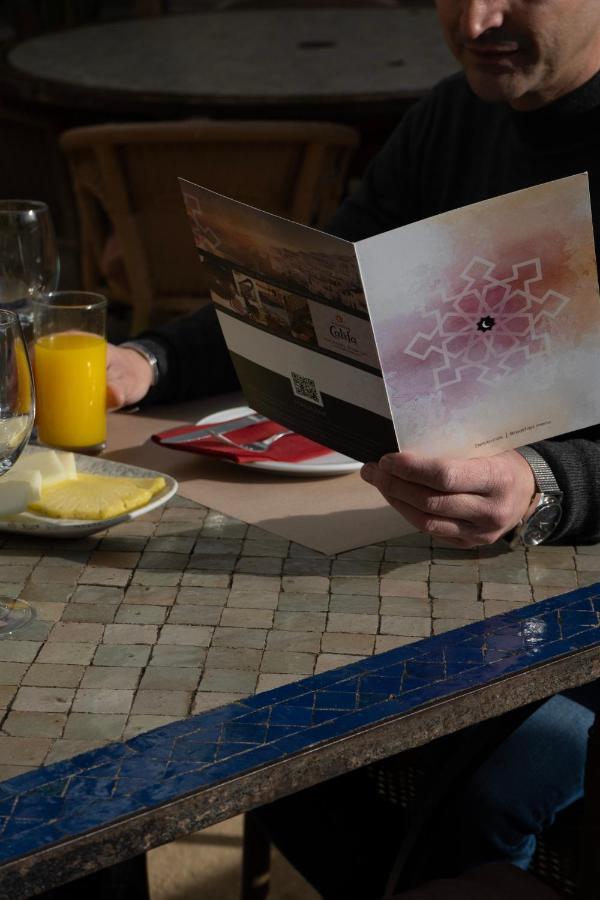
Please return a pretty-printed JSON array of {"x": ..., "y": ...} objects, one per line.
[{"x": 69, "y": 360}]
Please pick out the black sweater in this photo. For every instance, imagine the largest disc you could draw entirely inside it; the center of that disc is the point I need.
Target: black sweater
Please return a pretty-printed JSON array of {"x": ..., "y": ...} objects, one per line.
[{"x": 450, "y": 149}]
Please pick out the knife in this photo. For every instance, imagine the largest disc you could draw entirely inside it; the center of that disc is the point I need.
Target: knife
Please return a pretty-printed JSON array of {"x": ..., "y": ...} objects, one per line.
[{"x": 200, "y": 432}]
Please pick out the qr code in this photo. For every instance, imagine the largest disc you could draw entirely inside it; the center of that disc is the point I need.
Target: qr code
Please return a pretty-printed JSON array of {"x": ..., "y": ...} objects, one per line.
[{"x": 306, "y": 388}]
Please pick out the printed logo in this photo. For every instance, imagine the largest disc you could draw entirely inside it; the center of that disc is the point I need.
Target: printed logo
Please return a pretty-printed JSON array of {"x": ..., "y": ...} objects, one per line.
[
  {"x": 486, "y": 323},
  {"x": 344, "y": 334}
]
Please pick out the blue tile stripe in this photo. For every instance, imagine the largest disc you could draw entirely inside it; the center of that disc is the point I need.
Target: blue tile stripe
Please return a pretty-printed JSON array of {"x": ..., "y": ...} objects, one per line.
[{"x": 93, "y": 789}]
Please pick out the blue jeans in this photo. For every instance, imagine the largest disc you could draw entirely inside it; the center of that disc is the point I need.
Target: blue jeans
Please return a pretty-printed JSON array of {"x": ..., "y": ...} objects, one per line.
[
  {"x": 333, "y": 833},
  {"x": 528, "y": 779}
]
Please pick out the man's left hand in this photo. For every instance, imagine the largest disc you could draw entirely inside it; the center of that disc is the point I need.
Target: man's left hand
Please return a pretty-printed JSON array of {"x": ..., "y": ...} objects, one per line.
[{"x": 466, "y": 502}]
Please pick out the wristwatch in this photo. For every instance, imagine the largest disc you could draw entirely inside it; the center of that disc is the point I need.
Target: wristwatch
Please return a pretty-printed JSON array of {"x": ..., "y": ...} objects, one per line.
[
  {"x": 148, "y": 355},
  {"x": 545, "y": 513}
]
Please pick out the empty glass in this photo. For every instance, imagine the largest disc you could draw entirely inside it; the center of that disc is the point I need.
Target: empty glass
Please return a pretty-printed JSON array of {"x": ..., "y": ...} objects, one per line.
[
  {"x": 17, "y": 411},
  {"x": 29, "y": 263}
]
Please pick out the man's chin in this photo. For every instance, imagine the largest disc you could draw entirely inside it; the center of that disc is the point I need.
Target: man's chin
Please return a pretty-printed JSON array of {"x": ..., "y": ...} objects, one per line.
[{"x": 495, "y": 87}]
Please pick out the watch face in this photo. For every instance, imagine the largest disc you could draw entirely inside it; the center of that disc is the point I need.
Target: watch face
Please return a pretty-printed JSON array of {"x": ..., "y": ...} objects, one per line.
[{"x": 542, "y": 523}]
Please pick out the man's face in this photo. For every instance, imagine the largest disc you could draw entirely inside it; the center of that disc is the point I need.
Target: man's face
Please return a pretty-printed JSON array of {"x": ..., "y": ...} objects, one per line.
[{"x": 524, "y": 52}]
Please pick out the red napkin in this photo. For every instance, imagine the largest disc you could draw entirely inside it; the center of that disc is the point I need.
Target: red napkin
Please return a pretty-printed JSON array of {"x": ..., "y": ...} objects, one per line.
[{"x": 291, "y": 448}]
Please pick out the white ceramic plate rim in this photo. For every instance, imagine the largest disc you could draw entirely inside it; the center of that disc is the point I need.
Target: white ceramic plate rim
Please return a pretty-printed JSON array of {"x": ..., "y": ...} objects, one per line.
[
  {"x": 41, "y": 526},
  {"x": 330, "y": 464}
]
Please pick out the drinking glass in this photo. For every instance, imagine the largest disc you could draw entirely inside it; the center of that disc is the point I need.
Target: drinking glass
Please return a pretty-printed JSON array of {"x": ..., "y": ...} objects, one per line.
[
  {"x": 69, "y": 360},
  {"x": 17, "y": 411},
  {"x": 29, "y": 263}
]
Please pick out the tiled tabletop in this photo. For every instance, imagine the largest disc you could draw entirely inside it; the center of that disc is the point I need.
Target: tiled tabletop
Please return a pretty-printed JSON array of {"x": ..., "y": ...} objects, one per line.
[{"x": 186, "y": 609}]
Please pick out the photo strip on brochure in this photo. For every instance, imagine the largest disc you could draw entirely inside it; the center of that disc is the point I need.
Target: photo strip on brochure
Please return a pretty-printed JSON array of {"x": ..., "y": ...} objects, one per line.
[{"x": 463, "y": 334}]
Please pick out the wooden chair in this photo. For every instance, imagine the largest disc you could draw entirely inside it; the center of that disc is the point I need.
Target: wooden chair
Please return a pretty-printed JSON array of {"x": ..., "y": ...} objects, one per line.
[{"x": 136, "y": 241}]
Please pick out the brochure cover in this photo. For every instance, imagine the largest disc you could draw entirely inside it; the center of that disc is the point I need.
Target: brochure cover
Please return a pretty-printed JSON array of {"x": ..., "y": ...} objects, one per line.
[{"x": 464, "y": 334}]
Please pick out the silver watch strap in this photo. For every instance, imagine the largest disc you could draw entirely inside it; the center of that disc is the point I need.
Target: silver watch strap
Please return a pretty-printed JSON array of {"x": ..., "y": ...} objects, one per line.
[
  {"x": 148, "y": 355},
  {"x": 545, "y": 481}
]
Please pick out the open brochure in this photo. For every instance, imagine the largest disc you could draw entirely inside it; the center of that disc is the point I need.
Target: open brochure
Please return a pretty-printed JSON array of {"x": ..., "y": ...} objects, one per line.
[{"x": 464, "y": 334}]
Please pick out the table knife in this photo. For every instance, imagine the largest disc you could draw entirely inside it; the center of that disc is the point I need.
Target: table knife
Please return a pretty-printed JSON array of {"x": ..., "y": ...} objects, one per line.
[{"x": 200, "y": 432}]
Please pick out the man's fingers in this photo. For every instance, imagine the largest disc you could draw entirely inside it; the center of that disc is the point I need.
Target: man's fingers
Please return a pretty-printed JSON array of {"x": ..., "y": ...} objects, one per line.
[
  {"x": 460, "y": 533},
  {"x": 421, "y": 498},
  {"x": 468, "y": 520},
  {"x": 411, "y": 501},
  {"x": 467, "y": 507},
  {"x": 115, "y": 396},
  {"x": 454, "y": 476}
]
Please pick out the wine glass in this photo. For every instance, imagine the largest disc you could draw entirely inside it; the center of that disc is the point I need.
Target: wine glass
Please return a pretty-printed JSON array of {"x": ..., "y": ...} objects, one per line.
[
  {"x": 17, "y": 412},
  {"x": 29, "y": 263}
]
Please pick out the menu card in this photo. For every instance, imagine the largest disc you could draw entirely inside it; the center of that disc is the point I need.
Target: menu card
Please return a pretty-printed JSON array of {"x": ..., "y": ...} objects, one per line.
[{"x": 463, "y": 334}]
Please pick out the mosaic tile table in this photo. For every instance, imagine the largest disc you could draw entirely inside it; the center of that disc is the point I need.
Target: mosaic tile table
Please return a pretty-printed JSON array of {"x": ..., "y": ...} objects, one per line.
[{"x": 254, "y": 660}]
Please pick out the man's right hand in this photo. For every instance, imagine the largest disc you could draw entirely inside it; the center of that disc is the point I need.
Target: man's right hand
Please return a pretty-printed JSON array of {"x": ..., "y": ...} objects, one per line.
[
  {"x": 467, "y": 502},
  {"x": 128, "y": 376}
]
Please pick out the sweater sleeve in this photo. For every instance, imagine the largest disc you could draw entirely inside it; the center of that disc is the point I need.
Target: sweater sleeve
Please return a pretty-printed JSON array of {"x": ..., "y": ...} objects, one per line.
[
  {"x": 192, "y": 357},
  {"x": 575, "y": 461}
]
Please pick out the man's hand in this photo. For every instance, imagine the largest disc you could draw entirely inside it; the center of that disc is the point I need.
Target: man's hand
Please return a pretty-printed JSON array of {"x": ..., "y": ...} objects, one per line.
[
  {"x": 128, "y": 376},
  {"x": 467, "y": 502}
]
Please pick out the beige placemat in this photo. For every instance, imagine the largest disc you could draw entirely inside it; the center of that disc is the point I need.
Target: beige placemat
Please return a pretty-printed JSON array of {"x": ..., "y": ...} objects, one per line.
[{"x": 327, "y": 514}]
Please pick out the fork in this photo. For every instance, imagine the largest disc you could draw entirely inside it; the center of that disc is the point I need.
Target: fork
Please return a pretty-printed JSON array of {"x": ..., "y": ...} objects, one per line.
[{"x": 257, "y": 446}]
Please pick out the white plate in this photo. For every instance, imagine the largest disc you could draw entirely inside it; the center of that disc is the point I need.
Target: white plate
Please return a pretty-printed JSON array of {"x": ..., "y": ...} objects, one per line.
[
  {"x": 44, "y": 526},
  {"x": 327, "y": 464}
]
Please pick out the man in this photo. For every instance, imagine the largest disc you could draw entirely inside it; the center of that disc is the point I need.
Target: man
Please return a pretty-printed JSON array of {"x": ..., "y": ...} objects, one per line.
[
  {"x": 533, "y": 64},
  {"x": 525, "y": 109}
]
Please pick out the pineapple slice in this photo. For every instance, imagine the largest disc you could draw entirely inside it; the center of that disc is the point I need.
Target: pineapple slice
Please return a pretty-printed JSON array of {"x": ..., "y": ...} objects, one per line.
[{"x": 91, "y": 496}]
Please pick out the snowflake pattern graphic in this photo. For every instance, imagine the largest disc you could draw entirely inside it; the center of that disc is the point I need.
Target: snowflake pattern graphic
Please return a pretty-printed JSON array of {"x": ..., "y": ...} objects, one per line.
[{"x": 490, "y": 327}]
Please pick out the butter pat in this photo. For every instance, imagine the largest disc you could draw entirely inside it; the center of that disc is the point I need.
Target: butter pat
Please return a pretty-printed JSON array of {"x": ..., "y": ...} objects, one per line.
[
  {"x": 53, "y": 466},
  {"x": 23, "y": 484},
  {"x": 17, "y": 493},
  {"x": 67, "y": 461},
  {"x": 33, "y": 479}
]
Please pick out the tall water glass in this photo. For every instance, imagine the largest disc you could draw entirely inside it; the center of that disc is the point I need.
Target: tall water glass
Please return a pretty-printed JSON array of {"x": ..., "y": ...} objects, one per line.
[
  {"x": 69, "y": 360},
  {"x": 29, "y": 263},
  {"x": 17, "y": 411}
]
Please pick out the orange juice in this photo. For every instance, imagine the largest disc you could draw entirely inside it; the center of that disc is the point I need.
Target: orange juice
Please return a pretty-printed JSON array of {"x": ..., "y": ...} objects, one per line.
[{"x": 70, "y": 381}]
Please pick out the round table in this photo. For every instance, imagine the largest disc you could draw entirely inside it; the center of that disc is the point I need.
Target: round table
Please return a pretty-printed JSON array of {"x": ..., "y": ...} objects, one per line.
[
  {"x": 348, "y": 64},
  {"x": 363, "y": 67}
]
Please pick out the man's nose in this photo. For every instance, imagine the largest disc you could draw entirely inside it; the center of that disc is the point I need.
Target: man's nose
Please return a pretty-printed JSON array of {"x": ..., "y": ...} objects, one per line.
[{"x": 481, "y": 15}]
